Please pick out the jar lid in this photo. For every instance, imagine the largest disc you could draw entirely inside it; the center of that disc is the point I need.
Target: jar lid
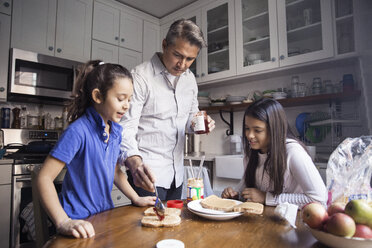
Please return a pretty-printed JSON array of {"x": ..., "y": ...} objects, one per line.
[
  {"x": 175, "y": 204},
  {"x": 170, "y": 243}
]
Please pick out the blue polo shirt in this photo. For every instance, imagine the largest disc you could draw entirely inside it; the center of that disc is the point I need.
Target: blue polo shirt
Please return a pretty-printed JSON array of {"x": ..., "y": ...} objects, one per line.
[{"x": 90, "y": 162}]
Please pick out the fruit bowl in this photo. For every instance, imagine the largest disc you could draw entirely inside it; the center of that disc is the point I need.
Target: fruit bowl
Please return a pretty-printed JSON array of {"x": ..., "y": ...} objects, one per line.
[{"x": 339, "y": 242}]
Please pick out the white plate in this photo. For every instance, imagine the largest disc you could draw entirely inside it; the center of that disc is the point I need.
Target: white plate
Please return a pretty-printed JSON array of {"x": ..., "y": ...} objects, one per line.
[
  {"x": 196, "y": 207},
  {"x": 339, "y": 242},
  {"x": 217, "y": 216}
]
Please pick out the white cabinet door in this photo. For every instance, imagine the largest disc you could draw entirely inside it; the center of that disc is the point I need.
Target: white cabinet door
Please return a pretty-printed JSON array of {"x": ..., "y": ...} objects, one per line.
[
  {"x": 74, "y": 25},
  {"x": 106, "y": 23},
  {"x": 5, "y": 196},
  {"x": 129, "y": 59},
  {"x": 4, "y": 54},
  {"x": 256, "y": 35},
  {"x": 106, "y": 52},
  {"x": 218, "y": 25},
  {"x": 305, "y": 31},
  {"x": 151, "y": 40},
  {"x": 131, "y": 29},
  {"x": 33, "y": 25},
  {"x": 6, "y": 7}
]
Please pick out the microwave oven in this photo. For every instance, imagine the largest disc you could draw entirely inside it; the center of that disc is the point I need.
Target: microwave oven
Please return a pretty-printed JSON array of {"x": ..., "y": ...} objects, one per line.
[{"x": 40, "y": 78}]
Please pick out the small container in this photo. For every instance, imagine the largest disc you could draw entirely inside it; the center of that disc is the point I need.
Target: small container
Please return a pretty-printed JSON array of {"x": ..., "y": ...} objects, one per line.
[
  {"x": 195, "y": 189},
  {"x": 348, "y": 82},
  {"x": 201, "y": 123},
  {"x": 58, "y": 123},
  {"x": 5, "y": 117},
  {"x": 33, "y": 121},
  {"x": 175, "y": 204},
  {"x": 328, "y": 86}
]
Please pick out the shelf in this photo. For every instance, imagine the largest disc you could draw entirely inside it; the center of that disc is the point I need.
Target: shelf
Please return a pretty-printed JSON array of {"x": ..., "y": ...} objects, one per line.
[
  {"x": 291, "y": 102},
  {"x": 333, "y": 121}
]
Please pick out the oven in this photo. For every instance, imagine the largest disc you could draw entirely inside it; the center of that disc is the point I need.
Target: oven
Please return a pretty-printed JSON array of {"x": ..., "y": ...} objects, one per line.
[{"x": 27, "y": 149}]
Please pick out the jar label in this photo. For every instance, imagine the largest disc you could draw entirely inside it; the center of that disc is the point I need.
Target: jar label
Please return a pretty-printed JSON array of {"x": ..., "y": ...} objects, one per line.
[
  {"x": 195, "y": 193},
  {"x": 199, "y": 123}
]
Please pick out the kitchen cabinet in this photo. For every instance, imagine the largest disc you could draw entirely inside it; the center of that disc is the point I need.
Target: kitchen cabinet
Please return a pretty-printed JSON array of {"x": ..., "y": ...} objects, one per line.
[
  {"x": 151, "y": 40},
  {"x": 117, "y": 27},
  {"x": 4, "y": 54},
  {"x": 218, "y": 26},
  {"x": 276, "y": 33},
  {"x": 6, "y": 7},
  {"x": 114, "y": 54},
  {"x": 5, "y": 196},
  {"x": 60, "y": 28},
  {"x": 344, "y": 26}
]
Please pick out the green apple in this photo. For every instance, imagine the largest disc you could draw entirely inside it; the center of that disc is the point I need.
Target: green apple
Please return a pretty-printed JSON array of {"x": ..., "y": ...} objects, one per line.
[{"x": 360, "y": 211}]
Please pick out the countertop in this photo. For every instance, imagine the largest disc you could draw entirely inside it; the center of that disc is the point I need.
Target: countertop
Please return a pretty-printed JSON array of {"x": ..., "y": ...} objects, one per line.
[{"x": 121, "y": 227}]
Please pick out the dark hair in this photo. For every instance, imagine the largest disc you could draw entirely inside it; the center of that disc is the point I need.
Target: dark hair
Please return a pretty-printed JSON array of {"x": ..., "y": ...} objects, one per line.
[
  {"x": 272, "y": 113},
  {"x": 93, "y": 75},
  {"x": 188, "y": 30}
]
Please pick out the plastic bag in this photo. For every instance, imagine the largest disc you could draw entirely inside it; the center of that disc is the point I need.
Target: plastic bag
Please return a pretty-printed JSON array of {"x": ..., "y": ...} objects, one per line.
[{"x": 349, "y": 171}]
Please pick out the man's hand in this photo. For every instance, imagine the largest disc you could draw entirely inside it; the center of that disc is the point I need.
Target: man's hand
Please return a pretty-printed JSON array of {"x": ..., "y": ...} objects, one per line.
[
  {"x": 141, "y": 173},
  {"x": 76, "y": 228},
  {"x": 211, "y": 123}
]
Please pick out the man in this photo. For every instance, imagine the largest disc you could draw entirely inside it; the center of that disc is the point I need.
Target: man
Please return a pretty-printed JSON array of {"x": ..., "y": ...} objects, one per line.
[{"x": 163, "y": 107}]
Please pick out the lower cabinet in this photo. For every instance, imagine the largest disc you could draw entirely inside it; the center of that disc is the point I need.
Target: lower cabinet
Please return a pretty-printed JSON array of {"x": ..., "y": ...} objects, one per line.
[{"x": 119, "y": 198}]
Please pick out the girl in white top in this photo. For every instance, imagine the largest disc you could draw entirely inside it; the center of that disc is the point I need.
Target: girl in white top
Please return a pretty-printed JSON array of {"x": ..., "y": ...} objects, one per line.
[{"x": 279, "y": 169}]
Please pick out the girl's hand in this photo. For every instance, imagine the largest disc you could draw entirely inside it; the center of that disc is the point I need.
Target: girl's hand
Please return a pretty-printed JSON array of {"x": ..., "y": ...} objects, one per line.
[
  {"x": 144, "y": 201},
  {"x": 76, "y": 228},
  {"x": 230, "y": 193},
  {"x": 254, "y": 195}
]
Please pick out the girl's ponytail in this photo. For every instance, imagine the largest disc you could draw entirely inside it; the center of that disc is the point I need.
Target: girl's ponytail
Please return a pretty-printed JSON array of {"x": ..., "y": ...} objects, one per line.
[{"x": 81, "y": 97}]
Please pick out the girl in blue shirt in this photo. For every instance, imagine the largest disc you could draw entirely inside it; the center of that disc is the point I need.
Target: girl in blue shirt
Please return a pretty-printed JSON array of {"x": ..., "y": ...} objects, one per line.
[{"x": 89, "y": 148}]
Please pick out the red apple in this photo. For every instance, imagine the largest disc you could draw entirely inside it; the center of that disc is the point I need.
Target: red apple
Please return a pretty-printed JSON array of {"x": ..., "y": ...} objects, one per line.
[
  {"x": 363, "y": 231},
  {"x": 314, "y": 215},
  {"x": 336, "y": 207},
  {"x": 341, "y": 224}
]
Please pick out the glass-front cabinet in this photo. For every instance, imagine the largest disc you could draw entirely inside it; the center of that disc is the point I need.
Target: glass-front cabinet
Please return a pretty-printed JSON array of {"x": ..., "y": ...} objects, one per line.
[
  {"x": 305, "y": 30},
  {"x": 344, "y": 21},
  {"x": 272, "y": 33},
  {"x": 218, "y": 59},
  {"x": 196, "y": 65},
  {"x": 257, "y": 35}
]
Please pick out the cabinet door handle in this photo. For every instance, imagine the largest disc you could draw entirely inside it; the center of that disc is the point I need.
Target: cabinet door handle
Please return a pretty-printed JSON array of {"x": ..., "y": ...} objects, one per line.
[
  {"x": 59, "y": 50},
  {"x": 122, "y": 39},
  {"x": 50, "y": 48},
  {"x": 203, "y": 74},
  {"x": 281, "y": 57},
  {"x": 118, "y": 198},
  {"x": 197, "y": 75},
  {"x": 273, "y": 59},
  {"x": 2, "y": 89},
  {"x": 6, "y": 5},
  {"x": 116, "y": 38}
]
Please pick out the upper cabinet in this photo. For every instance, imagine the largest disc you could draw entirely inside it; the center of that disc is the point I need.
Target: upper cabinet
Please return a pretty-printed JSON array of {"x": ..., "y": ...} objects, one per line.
[
  {"x": 6, "y": 6},
  {"x": 4, "y": 54},
  {"x": 59, "y": 28},
  {"x": 151, "y": 40},
  {"x": 218, "y": 26},
  {"x": 344, "y": 26},
  {"x": 116, "y": 26},
  {"x": 274, "y": 33}
]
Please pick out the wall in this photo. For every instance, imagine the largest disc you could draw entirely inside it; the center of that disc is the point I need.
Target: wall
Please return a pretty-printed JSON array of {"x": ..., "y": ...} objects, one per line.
[{"x": 218, "y": 142}]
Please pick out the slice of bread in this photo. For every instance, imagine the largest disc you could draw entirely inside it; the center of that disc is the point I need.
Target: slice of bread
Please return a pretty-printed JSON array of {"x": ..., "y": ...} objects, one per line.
[
  {"x": 249, "y": 207},
  {"x": 168, "y": 221},
  {"x": 168, "y": 211},
  {"x": 216, "y": 203}
]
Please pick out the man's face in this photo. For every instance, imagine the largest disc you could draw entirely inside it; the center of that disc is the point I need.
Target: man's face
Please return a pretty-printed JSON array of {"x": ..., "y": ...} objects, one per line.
[{"x": 178, "y": 57}]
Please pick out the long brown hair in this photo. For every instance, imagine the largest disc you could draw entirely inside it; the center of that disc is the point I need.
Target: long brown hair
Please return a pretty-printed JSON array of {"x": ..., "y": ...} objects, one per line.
[
  {"x": 93, "y": 75},
  {"x": 272, "y": 113}
]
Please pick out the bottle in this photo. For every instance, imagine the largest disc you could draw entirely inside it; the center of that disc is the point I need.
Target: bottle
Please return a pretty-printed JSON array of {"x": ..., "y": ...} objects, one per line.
[
  {"x": 195, "y": 189},
  {"x": 16, "y": 123},
  {"x": 41, "y": 118},
  {"x": 23, "y": 117},
  {"x": 64, "y": 118},
  {"x": 5, "y": 117},
  {"x": 201, "y": 123}
]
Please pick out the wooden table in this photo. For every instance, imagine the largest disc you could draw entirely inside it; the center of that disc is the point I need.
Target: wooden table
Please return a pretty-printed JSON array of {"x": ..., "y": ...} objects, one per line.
[{"x": 121, "y": 227}]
